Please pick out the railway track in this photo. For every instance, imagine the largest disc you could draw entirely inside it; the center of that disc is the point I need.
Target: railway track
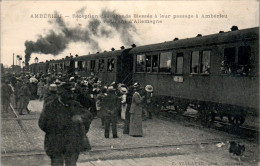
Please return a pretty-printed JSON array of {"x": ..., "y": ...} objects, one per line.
[{"x": 245, "y": 132}]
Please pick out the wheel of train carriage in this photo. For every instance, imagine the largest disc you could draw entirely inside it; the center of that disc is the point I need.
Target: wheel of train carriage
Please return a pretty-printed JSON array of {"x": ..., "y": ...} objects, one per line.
[{"x": 236, "y": 120}]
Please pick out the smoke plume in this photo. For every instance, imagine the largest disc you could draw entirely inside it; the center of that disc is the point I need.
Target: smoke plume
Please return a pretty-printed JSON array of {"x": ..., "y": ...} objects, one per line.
[{"x": 57, "y": 41}]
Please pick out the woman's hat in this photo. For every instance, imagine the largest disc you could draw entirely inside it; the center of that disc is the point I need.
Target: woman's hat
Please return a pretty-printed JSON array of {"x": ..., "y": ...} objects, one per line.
[
  {"x": 123, "y": 90},
  {"x": 148, "y": 88}
]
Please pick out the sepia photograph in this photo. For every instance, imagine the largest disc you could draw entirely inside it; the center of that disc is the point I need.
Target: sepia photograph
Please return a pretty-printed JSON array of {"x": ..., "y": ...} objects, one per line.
[{"x": 130, "y": 83}]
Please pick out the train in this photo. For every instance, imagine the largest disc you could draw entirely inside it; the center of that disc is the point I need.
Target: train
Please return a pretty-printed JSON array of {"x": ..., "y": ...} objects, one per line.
[{"x": 216, "y": 74}]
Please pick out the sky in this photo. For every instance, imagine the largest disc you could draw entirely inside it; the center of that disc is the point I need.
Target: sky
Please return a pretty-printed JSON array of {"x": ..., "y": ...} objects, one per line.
[{"x": 76, "y": 36}]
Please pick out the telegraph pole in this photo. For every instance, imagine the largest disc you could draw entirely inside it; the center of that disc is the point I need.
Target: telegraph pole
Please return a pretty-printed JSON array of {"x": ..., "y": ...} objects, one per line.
[{"x": 13, "y": 62}]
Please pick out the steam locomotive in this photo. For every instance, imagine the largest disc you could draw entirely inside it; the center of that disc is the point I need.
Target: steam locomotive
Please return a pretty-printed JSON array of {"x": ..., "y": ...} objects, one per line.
[{"x": 217, "y": 74}]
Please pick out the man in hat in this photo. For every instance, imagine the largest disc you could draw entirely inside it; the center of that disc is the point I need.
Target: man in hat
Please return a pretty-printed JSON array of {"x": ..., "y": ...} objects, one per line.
[
  {"x": 109, "y": 106},
  {"x": 65, "y": 123},
  {"x": 148, "y": 101}
]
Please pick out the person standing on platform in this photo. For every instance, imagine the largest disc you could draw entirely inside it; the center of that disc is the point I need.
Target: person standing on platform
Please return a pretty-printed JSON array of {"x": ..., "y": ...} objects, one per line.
[
  {"x": 127, "y": 114},
  {"x": 135, "y": 129},
  {"x": 65, "y": 123},
  {"x": 40, "y": 86},
  {"x": 6, "y": 92},
  {"x": 124, "y": 92},
  {"x": 109, "y": 104},
  {"x": 148, "y": 101},
  {"x": 24, "y": 98}
]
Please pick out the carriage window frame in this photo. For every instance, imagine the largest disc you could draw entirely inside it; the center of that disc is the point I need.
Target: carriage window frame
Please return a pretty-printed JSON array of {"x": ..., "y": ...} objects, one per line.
[
  {"x": 101, "y": 65},
  {"x": 151, "y": 65},
  {"x": 109, "y": 63},
  {"x": 179, "y": 55},
  {"x": 140, "y": 68},
  {"x": 168, "y": 67},
  {"x": 199, "y": 63},
  {"x": 92, "y": 65},
  {"x": 236, "y": 66},
  {"x": 80, "y": 65}
]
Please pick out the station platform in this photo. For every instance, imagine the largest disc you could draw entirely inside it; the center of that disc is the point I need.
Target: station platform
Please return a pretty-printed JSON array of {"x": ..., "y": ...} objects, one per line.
[{"x": 22, "y": 140}]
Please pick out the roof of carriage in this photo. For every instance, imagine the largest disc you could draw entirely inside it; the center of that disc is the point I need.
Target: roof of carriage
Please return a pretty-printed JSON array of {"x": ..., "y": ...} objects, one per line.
[
  {"x": 226, "y": 37},
  {"x": 101, "y": 55}
]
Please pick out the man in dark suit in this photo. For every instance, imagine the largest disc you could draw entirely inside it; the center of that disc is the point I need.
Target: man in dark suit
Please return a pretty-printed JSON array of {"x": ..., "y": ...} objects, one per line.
[
  {"x": 109, "y": 106},
  {"x": 65, "y": 123}
]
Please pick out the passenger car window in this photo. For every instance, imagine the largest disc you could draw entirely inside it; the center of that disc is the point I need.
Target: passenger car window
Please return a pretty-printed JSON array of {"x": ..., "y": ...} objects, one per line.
[
  {"x": 101, "y": 63},
  {"x": 165, "y": 62},
  {"x": 110, "y": 64},
  {"x": 205, "y": 62},
  {"x": 179, "y": 63},
  {"x": 140, "y": 63},
  {"x": 148, "y": 63},
  {"x": 195, "y": 62},
  {"x": 92, "y": 65},
  {"x": 155, "y": 63}
]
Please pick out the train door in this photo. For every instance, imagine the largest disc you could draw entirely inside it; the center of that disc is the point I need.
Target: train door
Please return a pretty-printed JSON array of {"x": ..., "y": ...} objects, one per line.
[{"x": 125, "y": 68}]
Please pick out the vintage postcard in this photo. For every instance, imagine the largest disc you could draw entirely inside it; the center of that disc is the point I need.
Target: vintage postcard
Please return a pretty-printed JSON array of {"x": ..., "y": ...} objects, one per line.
[{"x": 130, "y": 83}]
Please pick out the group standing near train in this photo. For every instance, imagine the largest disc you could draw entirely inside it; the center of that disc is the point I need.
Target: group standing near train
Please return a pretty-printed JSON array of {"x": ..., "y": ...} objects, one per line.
[{"x": 216, "y": 74}]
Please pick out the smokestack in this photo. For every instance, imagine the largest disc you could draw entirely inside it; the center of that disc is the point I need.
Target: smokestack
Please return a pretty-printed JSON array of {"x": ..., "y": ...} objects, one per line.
[
  {"x": 112, "y": 49},
  {"x": 199, "y": 35},
  {"x": 122, "y": 47},
  {"x": 175, "y": 39},
  {"x": 133, "y": 45}
]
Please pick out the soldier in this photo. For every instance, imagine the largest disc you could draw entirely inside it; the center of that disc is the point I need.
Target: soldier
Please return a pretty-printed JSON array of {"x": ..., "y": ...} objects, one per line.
[
  {"x": 6, "y": 92},
  {"x": 24, "y": 98},
  {"x": 65, "y": 123},
  {"x": 109, "y": 106}
]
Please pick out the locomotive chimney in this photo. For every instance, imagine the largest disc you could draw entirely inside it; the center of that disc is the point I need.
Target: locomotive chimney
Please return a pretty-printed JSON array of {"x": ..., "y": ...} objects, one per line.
[
  {"x": 234, "y": 28},
  {"x": 175, "y": 39},
  {"x": 122, "y": 47},
  {"x": 133, "y": 45},
  {"x": 113, "y": 49},
  {"x": 199, "y": 35}
]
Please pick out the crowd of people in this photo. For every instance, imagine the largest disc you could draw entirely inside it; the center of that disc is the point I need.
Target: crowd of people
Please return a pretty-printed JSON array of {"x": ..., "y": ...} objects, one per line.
[{"x": 70, "y": 102}]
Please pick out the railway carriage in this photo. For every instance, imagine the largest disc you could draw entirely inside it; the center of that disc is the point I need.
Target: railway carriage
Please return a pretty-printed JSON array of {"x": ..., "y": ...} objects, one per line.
[
  {"x": 217, "y": 74},
  {"x": 108, "y": 66}
]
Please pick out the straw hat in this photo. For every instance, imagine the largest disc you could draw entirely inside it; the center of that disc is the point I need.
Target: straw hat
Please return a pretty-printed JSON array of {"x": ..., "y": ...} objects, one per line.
[
  {"x": 124, "y": 90},
  {"x": 148, "y": 88}
]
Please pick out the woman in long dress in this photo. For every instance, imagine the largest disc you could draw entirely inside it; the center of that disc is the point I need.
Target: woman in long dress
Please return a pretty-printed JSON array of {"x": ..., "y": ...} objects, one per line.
[{"x": 136, "y": 114}]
